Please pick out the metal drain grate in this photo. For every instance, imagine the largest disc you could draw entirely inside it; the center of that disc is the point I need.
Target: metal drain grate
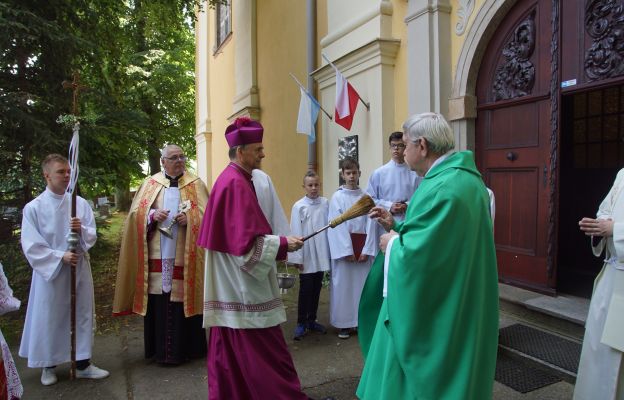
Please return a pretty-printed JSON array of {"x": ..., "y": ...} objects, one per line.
[
  {"x": 520, "y": 377},
  {"x": 547, "y": 347}
]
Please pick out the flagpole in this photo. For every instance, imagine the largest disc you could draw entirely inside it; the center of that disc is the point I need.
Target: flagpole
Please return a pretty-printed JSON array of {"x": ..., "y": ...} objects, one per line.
[
  {"x": 367, "y": 105},
  {"x": 304, "y": 89}
]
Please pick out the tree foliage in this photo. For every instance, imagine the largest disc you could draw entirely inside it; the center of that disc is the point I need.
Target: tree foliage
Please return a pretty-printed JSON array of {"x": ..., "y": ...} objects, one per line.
[{"x": 137, "y": 59}]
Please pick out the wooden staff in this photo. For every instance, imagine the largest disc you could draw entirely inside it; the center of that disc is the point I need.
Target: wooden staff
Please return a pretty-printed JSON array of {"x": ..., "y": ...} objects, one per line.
[
  {"x": 359, "y": 208},
  {"x": 73, "y": 239}
]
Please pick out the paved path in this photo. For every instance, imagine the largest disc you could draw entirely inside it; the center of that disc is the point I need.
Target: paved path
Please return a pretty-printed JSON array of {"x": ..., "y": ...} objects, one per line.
[{"x": 326, "y": 365}]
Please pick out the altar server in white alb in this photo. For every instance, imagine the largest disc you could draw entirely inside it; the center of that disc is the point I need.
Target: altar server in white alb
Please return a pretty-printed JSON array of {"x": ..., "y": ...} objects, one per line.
[
  {"x": 308, "y": 215},
  {"x": 393, "y": 184},
  {"x": 46, "y": 225},
  {"x": 352, "y": 246},
  {"x": 600, "y": 372}
]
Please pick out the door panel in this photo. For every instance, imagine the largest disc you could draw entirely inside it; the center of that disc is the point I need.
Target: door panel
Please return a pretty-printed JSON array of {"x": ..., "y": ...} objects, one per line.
[
  {"x": 516, "y": 208},
  {"x": 514, "y": 127},
  {"x": 513, "y": 132}
]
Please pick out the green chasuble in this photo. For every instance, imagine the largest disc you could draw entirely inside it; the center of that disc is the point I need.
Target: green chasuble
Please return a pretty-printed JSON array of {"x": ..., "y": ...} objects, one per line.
[
  {"x": 436, "y": 334},
  {"x": 370, "y": 303}
]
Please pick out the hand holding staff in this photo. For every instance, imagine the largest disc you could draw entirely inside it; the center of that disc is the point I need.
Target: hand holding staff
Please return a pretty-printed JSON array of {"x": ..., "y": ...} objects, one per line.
[{"x": 359, "y": 208}]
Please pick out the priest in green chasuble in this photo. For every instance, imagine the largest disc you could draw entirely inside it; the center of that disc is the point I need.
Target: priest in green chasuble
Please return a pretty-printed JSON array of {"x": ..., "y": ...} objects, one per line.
[{"x": 434, "y": 301}]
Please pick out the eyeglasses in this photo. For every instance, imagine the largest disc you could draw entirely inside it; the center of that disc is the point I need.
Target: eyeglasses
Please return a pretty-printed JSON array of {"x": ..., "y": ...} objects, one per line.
[
  {"x": 397, "y": 146},
  {"x": 176, "y": 158}
]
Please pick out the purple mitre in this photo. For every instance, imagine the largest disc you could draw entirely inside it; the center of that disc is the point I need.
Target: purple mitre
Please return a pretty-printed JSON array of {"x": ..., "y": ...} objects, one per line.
[{"x": 242, "y": 131}]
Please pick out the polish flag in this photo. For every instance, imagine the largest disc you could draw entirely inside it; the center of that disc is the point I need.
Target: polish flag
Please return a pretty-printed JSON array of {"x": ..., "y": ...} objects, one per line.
[{"x": 346, "y": 101}]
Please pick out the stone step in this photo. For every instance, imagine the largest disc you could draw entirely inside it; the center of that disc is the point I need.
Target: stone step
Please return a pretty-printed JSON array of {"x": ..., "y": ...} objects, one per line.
[{"x": 564, "y": 315}]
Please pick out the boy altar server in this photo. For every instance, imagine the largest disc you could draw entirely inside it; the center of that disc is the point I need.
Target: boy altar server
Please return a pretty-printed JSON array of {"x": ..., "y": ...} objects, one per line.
[
  {"x": 352, "y": 246},
  {"x": 308, "y": 215},
  {"x": 46, "y": 224},
  {"x": 393, "y": 184}
]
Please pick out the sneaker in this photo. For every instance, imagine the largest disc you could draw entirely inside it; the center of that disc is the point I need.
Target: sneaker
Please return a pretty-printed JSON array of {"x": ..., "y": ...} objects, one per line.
[
  {"x": 48, "y": 376},
  {"x": 91, "y": 372},
  {"x": 316, "y": 327},
  {"x": 344, "y": 333},
  {"x": 300, "y": 332}
]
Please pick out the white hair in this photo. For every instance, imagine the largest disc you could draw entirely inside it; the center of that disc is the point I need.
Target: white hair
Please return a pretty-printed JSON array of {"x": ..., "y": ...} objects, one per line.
[
  {"x": 165, "y": 150},
  {"x": 434, "y": 128}
]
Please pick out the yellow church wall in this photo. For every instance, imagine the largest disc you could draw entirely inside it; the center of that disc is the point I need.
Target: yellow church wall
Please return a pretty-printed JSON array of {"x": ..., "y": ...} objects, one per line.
[
  {"x": 221, "y": 96},
  {"x": 321, "y": 32},
  {"x": 281, "y": 49},
  {"x": 399, "y": 31},
  {"x": 457, "y": 41}
]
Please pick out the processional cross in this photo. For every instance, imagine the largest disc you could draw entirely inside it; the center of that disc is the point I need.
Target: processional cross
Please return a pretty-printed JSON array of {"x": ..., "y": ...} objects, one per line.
[{"x": 73, "y": 239}]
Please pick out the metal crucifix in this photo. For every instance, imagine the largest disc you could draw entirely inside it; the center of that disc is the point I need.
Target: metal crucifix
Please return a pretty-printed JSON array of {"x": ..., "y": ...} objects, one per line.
[{"x": 73, "y": 239}]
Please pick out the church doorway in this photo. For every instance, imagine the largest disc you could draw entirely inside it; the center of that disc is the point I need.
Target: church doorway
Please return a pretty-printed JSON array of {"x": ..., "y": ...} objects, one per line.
[
  {"x": 591, "y": 154},
  {"x": 549, "y": 136}
]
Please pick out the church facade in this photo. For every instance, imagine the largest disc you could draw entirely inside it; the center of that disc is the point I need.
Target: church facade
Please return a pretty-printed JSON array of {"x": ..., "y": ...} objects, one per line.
[{"x": 534, "y": 87}]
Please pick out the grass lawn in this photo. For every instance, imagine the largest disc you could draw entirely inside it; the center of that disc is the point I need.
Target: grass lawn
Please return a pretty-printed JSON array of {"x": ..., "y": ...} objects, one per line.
[{"x": 104, "y": 256}]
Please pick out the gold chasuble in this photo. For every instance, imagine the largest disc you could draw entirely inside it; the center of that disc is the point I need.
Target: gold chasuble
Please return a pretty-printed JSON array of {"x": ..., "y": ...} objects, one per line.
[{"x": 131, "y": 288}]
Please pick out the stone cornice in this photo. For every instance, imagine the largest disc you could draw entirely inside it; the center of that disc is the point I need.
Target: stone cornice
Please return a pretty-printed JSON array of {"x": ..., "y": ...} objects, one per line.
[
  {"x": 379, "y": 51},
  {"x": 429, "y": 9},
  {"x": 384, "y": 8}
]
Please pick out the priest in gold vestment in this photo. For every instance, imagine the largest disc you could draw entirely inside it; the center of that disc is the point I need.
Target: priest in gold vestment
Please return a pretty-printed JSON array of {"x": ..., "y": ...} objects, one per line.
[{"x": 161, "y": 276}]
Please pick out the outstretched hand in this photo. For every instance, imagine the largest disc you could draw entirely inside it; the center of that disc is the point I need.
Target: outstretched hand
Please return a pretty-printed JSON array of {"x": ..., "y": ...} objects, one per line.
[
  {"x": 383, "y": 217},
  {"x": 294, "y": 243}
]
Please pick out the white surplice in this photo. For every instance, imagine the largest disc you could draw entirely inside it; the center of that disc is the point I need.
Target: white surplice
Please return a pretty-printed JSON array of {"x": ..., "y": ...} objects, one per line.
[
  {"x": 307, "y": 216},
  {"x": 45, "y": 229},
  {"x": 8, "y": 303},
  {"x": 270, "y": 203},
  {"x": 241, "y": 292},
  {"x": 347, "y": 278},
  {"x": 600, "y": 374},
  {"x": 391, "y": 183}
]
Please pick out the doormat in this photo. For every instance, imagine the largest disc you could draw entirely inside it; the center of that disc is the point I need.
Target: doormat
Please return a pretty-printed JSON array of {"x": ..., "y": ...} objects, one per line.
[
  {"x": 544, "y": 346},
  {"x": 520, "y": 377}
]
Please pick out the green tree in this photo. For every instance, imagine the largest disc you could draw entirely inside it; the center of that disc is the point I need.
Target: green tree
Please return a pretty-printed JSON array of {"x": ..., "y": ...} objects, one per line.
[{"x": 136, "y": 57}]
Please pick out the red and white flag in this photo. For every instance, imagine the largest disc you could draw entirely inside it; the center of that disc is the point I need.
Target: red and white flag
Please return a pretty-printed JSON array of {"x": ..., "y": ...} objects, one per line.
[{"x": 346, "y": 101}]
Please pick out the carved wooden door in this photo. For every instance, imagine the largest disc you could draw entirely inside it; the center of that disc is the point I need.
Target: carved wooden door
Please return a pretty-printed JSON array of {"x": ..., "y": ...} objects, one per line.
[
  {"x": 513, "y": 142},
  {"x": 591, "y": 141}
]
